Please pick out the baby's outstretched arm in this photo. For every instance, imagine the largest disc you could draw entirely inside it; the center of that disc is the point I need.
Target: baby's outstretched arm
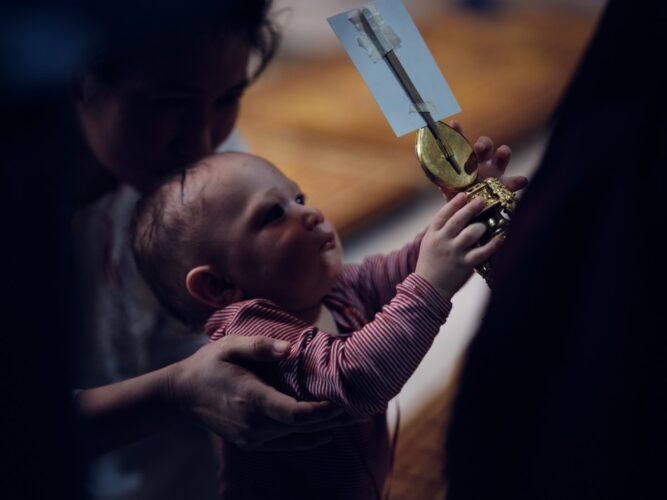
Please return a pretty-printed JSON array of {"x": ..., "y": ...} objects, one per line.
[
  {"x": 362, "y": 371},
  {"x": 359, "y": 372},
  {"x": 448, "y": 253}
]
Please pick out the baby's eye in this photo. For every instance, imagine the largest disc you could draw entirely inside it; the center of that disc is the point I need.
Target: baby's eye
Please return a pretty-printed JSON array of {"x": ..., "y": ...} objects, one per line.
[
  {"x": 274, "y": 213},
  {"x": 300, "y": 199}
]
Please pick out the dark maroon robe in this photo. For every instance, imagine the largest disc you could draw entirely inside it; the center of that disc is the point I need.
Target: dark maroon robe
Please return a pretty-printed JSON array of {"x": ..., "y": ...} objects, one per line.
[{"x": 563, "y": 390}]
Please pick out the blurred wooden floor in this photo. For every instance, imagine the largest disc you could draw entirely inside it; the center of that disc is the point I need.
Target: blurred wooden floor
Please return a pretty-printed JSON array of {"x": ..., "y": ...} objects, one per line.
[{"x": 319, "y": 124}]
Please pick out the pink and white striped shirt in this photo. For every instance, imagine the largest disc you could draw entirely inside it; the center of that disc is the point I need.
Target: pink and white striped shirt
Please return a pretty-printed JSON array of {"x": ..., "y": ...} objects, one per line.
[{"x": 387, "y": 318}]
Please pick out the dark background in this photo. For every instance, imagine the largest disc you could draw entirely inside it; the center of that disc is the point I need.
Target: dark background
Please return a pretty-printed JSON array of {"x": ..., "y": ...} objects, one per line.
[{"x": 563, "y": 393}]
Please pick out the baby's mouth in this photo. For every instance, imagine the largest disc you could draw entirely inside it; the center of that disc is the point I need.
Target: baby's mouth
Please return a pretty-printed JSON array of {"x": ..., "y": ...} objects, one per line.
[{"x": 328, "y": 241}]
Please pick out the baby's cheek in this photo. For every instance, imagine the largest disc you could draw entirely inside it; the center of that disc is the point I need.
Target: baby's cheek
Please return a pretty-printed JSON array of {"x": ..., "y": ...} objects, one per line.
[
  {"x": 294, "y": 257},
  {"x": 292, "y": 254}
]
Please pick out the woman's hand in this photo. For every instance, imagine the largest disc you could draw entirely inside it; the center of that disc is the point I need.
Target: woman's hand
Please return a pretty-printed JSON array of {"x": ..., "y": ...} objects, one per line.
[
  {"x": 490, "y": 163},
  {"x": 209, "y": 388},
  {"x": 236, "y": 404}
]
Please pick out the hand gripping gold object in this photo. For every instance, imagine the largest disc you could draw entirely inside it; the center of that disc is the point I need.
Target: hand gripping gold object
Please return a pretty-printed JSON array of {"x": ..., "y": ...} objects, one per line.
[
  {"x": 446, "y": 156},
  {"x": 500, "y": 202}
]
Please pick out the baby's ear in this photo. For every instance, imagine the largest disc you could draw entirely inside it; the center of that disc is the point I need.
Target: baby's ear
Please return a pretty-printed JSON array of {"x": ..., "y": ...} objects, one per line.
[{"x": 210, "y": 288}]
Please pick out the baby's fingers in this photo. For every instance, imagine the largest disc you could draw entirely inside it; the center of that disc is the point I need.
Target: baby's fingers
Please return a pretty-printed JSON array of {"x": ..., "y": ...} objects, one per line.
[
  {"x": 502, "y": 157},
  {"x": 478, "y": 255},
  {"x": 462, "y": 217},
  {"x": 456, "y": 125},
  {"x": 483, "y": 149},
  {"x": 446, "y": 212},
  {"x": 470, "y": 235}
]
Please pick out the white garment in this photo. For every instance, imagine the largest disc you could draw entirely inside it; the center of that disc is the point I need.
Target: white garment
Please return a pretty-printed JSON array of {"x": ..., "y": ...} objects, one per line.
[{"x": 125, "y": 333}]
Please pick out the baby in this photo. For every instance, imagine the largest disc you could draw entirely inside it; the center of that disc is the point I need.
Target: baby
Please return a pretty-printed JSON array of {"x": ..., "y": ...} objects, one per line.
[{"x": 232, "y": 244}]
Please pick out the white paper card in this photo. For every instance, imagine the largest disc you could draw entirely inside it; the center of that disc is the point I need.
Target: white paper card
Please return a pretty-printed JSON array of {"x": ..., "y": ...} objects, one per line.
[{"x": 413, "y": 54}]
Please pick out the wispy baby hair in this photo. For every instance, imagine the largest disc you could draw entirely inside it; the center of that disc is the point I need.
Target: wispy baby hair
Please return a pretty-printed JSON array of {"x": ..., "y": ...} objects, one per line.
[{"x": 167, "y": 242}]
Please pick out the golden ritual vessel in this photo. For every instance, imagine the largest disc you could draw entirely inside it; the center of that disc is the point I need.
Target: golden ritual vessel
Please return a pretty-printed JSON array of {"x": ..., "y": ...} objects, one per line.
[
  {"x": 449, "y": 161},
  {"x": 446, "y": 156}
]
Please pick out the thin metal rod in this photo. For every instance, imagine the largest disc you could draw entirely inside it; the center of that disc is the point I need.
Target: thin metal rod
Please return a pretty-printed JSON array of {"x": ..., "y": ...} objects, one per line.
[{"x": 412, "y": 92}]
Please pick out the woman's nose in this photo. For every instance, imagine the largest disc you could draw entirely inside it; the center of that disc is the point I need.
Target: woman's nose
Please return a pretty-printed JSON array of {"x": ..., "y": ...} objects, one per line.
[
  {"x": 195, "y": 137},
  {"x": 312, "y": 217}
]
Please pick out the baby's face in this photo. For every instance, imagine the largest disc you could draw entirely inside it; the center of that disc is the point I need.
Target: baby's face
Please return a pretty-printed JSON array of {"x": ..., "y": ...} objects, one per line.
[{"x": 269, "y": 242}]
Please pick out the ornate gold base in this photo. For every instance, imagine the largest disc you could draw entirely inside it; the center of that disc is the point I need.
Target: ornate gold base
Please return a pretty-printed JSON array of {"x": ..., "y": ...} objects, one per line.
[{"x": 500, "y": 205}]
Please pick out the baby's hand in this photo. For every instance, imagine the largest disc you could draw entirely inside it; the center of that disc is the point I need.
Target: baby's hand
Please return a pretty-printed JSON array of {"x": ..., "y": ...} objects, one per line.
[{"x": 447, "y": 255}]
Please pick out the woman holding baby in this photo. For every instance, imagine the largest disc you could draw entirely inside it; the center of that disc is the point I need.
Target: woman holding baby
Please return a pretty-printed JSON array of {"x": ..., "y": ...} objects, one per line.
[{"x": 161, "y": 94}]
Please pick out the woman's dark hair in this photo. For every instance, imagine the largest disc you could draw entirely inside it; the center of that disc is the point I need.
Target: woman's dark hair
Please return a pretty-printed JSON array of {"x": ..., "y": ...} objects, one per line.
[{"x": 145, "y": 30}]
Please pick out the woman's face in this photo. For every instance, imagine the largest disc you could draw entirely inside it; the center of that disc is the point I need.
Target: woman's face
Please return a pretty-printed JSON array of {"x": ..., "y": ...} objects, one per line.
[{"x": 165, "y": 115}]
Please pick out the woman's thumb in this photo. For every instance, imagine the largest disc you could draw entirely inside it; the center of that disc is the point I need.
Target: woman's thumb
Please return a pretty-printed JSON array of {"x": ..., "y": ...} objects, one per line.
[{"x": 254, "y": 348}]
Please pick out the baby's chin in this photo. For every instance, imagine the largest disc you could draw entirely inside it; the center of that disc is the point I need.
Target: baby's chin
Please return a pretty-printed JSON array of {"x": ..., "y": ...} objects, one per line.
[{"x": 308, "y": 300}]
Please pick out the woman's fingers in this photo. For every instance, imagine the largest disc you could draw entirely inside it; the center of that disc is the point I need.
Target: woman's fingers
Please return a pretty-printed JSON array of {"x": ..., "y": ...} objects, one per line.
[
  {"x": 491, "y": 163},
  {"x": 294, "y": 414},
  {"x": 515, "y": 183},
  {"x": 502, "y": 158},
  {"x": 456, "y": 125},
  {"x": 237, "y": 348},
  {"x": 483, "y": 149}
]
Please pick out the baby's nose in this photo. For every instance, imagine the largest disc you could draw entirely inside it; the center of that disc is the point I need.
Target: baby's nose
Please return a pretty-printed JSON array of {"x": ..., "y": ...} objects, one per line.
[{"x": 312, "y": 218}]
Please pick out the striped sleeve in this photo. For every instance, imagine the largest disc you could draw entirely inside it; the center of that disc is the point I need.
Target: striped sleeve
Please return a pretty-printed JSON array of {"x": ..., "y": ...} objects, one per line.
[
  {"x": 359, "y": 372},
  {"x": 374, "y": 280}
]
